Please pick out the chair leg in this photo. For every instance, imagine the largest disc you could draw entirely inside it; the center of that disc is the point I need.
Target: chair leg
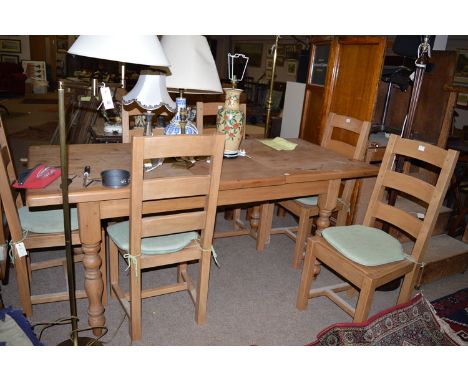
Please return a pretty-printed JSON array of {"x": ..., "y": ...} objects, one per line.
[
  {"x": 103, "y": 268},
  {"x": 135, "y": 301},
  {"x": 181, "y": 268},
  {"x": 307, "y": 277},
  {"x": 264, "y": 225},
  {"x": 364, "y": 304},
  {"x": 113, "y": 267},
  {"x": 408, "y": 286},
  {"x": 303, "y": 231},
  {"x": 202, "y": 288},
  {"x": 23, "y": 282}
]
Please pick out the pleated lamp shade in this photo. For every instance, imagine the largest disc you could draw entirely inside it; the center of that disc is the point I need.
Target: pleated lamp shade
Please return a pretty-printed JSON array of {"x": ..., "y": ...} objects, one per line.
[{"x": 150, "y": 92}]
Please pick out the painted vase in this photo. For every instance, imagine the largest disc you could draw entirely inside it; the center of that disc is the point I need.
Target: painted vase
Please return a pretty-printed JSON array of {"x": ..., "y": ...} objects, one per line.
[
  {"x": 173, "y": 128},
  {"x": 230, "y": 122}
]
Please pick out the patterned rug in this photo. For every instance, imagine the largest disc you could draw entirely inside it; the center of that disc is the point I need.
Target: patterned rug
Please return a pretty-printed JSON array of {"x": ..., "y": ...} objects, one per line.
[
  {"x": 453, "y": 309},
  {"x": 413, "y": 323}
]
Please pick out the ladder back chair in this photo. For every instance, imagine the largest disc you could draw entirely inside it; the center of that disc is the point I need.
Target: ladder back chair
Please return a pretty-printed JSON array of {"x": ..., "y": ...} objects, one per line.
[
  {"x": 368, "y": 257},
  {"x": 36, "y": 229},
  {"x": 306, "y": 208},
  {"x": 150, "y": 241}
]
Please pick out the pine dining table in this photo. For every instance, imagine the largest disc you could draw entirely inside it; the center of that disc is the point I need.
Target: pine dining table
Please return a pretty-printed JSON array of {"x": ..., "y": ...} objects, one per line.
[{"x": 262, "y": 176}]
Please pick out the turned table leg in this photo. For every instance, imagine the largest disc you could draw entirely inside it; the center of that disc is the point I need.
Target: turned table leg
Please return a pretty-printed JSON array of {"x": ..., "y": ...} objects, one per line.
[
  {"x": 326, "y": 204},
  {"x": 90, "y": 235}
]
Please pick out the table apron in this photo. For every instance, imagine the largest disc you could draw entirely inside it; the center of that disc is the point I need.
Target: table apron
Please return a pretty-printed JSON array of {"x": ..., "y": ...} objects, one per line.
[{"x": 116, "y": 208}]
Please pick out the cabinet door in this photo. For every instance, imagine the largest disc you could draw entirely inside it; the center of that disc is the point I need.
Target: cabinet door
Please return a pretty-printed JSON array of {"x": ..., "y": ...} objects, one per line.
[
  {"x": 350, "y": 83},
  {"x": 316, "y": 89}
]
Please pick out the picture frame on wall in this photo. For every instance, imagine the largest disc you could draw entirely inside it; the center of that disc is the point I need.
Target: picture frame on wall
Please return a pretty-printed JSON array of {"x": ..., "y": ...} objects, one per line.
[
  {"x": 291, "y": 67},
  {"x": 11, "y": 46},
  {"x": 269, "y": 63},
  {"x": 252, "y": 50},
  {"x": 9, "y": 58},
  {"x": 62, "y": 44},
  {"x": 461, "y": 68}
]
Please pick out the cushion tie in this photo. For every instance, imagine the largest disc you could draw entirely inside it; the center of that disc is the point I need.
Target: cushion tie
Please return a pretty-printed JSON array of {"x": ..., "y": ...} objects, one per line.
[
  {"x": 213, "y": 254},
  {"x": 131, "y": 260},
  {"x": 11, "y": 243}
]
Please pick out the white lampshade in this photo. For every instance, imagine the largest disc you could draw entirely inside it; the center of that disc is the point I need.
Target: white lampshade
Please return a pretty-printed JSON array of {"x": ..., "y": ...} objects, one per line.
[
  {"x": 150, "y": 92},
  {"x": 144, "y": 50},
  {"x": 193, "y": 67}
]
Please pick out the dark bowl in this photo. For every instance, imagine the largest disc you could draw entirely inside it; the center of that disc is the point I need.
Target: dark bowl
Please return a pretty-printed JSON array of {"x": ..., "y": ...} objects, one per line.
[{"x": 115, "y": 178}]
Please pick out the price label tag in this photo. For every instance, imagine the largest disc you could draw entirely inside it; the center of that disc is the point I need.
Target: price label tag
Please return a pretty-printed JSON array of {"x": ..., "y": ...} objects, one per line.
[
  {"x": 106, "y": 98},
  {"x": 21, "y": 249}
]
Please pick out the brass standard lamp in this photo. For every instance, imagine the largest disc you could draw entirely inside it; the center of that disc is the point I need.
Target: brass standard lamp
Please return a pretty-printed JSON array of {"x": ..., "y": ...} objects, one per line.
[
  {"x": 270, "y": 92},
  {"x": 145, "y": 50}
]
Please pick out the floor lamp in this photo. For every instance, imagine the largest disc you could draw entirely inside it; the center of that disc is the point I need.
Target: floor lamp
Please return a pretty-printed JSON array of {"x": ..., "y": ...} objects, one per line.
[
  {"x": 145, "y": 50},
  {"x": 270, "y": 92}
]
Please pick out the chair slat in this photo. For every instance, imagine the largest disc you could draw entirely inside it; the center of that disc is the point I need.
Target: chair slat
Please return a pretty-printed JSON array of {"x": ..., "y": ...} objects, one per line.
[
  {"x": 409, "y": 184},
  {"x": 184, "y": 146},
  {"x": 167, "y": 224},
  {"x": 176, "y": 187},
  {"x": 341, "y": 147},
  {"x": 422, "y": 151},
  {"x": 399, "y": 218}
]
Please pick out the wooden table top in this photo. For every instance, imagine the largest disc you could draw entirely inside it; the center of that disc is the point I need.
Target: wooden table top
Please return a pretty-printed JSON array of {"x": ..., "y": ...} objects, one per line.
[{"x": 264, "y": 167}]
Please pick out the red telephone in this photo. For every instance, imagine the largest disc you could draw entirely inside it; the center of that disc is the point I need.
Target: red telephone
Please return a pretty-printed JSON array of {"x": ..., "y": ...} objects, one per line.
[{"x": 37, "y": 177}]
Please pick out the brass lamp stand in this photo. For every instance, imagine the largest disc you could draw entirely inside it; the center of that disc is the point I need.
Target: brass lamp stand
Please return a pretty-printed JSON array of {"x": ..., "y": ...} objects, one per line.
[
  {"x": 74, "y": 340},
  {"x": 270, "y": 92}
]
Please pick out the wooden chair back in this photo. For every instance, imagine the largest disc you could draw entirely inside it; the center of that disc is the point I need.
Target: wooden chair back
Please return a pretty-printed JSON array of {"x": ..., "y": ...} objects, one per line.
[
  {"x": 354, "y": 147},
  {"x": 23, "y": 265},
  {"x": 360, "y": 130},
  {"x": 428, "y": 195},
  {"x": 175, "y": 187},
  {"x": 211, "y": 108}
]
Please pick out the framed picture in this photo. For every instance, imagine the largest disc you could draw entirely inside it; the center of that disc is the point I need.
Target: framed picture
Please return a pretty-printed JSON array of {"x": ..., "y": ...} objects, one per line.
[
  {"x": 252, "y": 50},
  {"x": 12, "y": 46},
  {"x": 62, "y": 44},
  {"x": 10, "y": 58},
  {"x": 269, "y": 63},
  {"x": 291, "y": 67},
  {"x": 461, "y": 69},
  {"x": 279, "y": 60},
  {"x": 290, "y": 51}
]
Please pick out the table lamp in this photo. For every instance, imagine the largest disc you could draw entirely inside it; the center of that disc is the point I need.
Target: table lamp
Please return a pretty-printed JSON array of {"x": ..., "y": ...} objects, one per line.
[
  {"x": 150, "y": 91},
  {"x": 193, "y": 71},
  {"x": 230, "y": 120}
]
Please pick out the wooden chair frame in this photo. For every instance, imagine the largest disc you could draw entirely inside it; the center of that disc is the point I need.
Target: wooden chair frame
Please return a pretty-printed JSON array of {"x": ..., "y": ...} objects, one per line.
[
  {"x": 305, "y": 212},
  {"x": 153, "y": 189},
  {"x": 368, "y": 278},
  {"x": 23, "y": 265}
]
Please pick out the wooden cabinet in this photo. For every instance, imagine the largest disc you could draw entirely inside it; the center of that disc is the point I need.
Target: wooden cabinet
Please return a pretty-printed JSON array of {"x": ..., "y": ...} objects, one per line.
[{"x": 344, "y": 74}]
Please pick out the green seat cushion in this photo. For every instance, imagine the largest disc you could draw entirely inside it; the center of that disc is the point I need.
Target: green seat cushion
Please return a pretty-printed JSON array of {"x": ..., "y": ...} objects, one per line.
[
  {"x": 311, "y": 200},
  {"x": 156, "y": 245},
  {"x": 46, "y": 221},
  {"x": 364, "y": 245}
]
